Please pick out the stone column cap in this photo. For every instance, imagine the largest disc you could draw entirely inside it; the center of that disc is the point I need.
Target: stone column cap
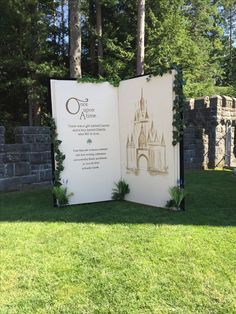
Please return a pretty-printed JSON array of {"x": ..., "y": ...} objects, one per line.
[
  {"x": 227, "y": 97},
  {"x": 216, "y": 96}
]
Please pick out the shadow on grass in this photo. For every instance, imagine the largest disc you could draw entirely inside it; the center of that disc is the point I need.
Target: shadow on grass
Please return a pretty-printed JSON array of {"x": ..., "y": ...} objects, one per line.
[{"x": 211, "y": 201}]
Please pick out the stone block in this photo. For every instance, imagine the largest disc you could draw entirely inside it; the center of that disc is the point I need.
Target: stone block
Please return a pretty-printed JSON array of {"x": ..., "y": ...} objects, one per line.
[
  {"x": 25, "y": 156},
  {"x": 42, "y": 138},
  {"x": 2, "y": 158},
  {"x": 11, "y": 157},
  {"x": 227, "y": 101},
  {"x": 36, "y": 174},
  {"x": 17, "y": 148},
  {"x": 3, "y": 184},
  {"x": 234, "y": 103},
  {"x": 28, "y": 179},
  {"x": 24, "y": 138},
  {"x": 39, "y": 158},
  {"x": 9, "y": 184},
  {"x": 32, "y": 130},
  {"x": 215, "y": 101},
  {"x": 22, "y": 169},
  {"x": 45, "y": 175},
  {"x": 2, "y": 171},
  {"x": 9, "y": 170},
  {"x": 48, "y": 165},
  {"x": 199, "y": 103},
  {"x": 19, "y": 130},
  {"x": 41, "y": 147},
  {"x": 192, "y": 152},
  {"x": 38, "y": 167},
  {"x": 2, "y": 139},
  {"x": 16, "y": 183}
]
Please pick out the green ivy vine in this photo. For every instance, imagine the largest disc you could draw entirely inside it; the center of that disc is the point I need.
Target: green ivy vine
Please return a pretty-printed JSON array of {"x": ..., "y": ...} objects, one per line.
[
  {"x": 59, "y": 156},
  {"x": 179, "y": 101},
  {"x": 178, "y": 107}
]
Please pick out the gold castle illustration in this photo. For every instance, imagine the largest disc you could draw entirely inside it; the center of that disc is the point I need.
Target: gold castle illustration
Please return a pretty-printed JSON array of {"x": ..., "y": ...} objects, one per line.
[{"x": 145, "y": 150}]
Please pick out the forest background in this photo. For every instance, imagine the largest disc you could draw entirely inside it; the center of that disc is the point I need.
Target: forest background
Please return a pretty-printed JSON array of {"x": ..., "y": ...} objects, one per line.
[{"x": 36, "y": 39}]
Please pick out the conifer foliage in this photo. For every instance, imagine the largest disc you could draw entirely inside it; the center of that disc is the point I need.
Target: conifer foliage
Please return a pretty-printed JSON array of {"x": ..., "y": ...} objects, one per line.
[{"x": 108, "y": 38}]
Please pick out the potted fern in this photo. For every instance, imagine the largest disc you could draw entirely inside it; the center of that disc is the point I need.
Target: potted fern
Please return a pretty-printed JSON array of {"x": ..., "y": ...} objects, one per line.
[
  {"x": 61, "y": 195},
  {"x": 120, "y": 190},
  {"x": 177, "y": 195}
]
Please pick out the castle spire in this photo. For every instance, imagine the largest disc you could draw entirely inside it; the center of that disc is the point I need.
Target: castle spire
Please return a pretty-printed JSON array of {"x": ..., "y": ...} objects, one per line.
[
  {"x": 163, "y": 140},
  {"x": 152, "y": 127},
  {"x": 127, "y": 144},
  {"x": 156, "y": 137},
  {"x": 132, "y": 138},
  {"x": 142, "y": 142},
  {"x": 142, "y": 101}
]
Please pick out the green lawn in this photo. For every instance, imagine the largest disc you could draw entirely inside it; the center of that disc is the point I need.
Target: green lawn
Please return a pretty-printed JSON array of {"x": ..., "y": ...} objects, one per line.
[{"x": 120, "y": 257}]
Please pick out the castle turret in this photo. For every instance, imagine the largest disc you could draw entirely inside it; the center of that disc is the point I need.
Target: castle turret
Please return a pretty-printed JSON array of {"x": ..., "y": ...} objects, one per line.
[
  {"x": 142, "y": 142},
  {"x": 142, "y": 106}
]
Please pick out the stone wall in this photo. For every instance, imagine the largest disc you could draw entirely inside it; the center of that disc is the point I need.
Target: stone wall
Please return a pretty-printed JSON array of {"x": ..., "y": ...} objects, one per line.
[
  {"x": 28, "y": 161},
  {"x": 210, "y": 135}
]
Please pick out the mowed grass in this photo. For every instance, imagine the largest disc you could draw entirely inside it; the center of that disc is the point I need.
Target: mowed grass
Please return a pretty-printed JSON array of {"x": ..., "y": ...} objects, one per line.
[{"x": 120, "y": 257}]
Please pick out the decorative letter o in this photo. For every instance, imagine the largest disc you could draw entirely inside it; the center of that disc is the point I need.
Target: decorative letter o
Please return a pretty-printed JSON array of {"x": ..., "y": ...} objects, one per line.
[{"x": 67, "y": 105}]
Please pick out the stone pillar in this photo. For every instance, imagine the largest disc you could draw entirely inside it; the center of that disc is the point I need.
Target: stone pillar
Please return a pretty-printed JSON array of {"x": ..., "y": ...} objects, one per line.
[
  {"x": 220, "y": 149},
  {"x": 205, "y": 161},
  {"x": 213, "y": 121},
  {"x": 208, "y": 120}
]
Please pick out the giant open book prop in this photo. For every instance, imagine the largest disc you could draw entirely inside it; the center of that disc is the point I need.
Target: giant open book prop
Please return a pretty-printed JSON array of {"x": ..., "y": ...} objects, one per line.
[{"x": 109, "y": 133}]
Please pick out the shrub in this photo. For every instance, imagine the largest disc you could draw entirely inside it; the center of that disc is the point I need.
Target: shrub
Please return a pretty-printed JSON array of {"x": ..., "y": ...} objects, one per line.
[
  {"x": 177, "y": 195},
  {"x": 120, "y": 190},
  {"x": 61, "y": 195}
]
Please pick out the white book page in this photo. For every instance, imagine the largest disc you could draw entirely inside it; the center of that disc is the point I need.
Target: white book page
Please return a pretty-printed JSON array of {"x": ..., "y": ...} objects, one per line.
[
  {"x": 87, "y": 122},
  {"x": 149, "y": 161}
]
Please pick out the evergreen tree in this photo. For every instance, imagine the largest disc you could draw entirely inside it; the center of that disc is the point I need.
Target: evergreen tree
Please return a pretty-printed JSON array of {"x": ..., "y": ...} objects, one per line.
[
  {"x": 229, "y": 61},
  {"x": 99, "y": 36},
  {"x": 29, "y": 55},
  {"x": 199, "y": 34}
]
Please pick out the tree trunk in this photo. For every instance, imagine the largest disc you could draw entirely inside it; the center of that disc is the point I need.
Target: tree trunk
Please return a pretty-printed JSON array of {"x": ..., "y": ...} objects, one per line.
[
  {"x": 54, "y": 18},
  {"x": 30, "y": 113},
  {"x": 63, "y": 31},
  {"x": 75, "y": 38},
  {"x": 92, "y": 23},
  {"x": 140, "y": 37},
  {"x": 230, "y": 36},
  {"x": 32, "y": 92},
  {"x": 99, "y": 34}
]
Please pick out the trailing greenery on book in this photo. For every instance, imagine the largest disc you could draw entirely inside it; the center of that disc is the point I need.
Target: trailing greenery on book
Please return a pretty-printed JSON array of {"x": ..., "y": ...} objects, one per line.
[
  {"x": 178, "y": 107},
  {"x": 59, "y": 156},
  {"x": 179, "y": 101}
]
